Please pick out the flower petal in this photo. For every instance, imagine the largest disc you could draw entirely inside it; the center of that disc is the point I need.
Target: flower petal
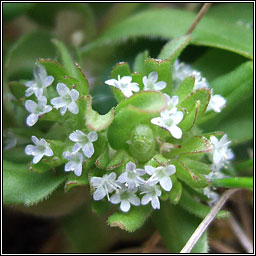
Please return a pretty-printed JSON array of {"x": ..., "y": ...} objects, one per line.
[
  {"x": 30, "y": 106},
  {"x": 74, "y": 94},
  {"x": 76, "y": 147},
  {"x": 58, "y": 102},
  {"x": 62, "y": 89},
  {"x": 99, "y": 194},
  {"x": 115, "y": 199},
  {"x": 177, "y": 117},
  {"x": 123, "y": 177},
  {"x": 155, "y": 203},
  {"x": 153, "y": 76},
  {"x": 73, "y": 108},
  {"x": 125, "y": 206},
  {"x": 88, "y": 150},
  {"x": 149, "y": 169},
  {"x": 92, "y": 136},
  {"x": 78, "y": 170},
  {"x": 48, "y": 81},
  {"x": 30, "y": 149},
  {"x": 160, "y": 85},
  {"x": 166, "y": 183},
  {"x": 176, "y": 131},
  {"x": 111, "y": 82},
  {"x": 37, "y": 158},
  {"x": 146, "y": 199},
  {"x": 133, "y": 199},
  {"x": 63, "y": 110},
  {"x": 32, "y": 119}
]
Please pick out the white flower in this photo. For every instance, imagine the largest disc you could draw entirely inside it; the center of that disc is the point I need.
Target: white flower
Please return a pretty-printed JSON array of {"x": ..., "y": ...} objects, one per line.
[
  {"x": 160, "y": 175},
  {"x": 131, "y": 176},
  {"x": 126, "y": 197},
  {"x": 169, "y": 121},
  {"x": 217, "y": 103},
  {"x": 200, "y": 82},
  {"x": 104, "y": 185},
  {"x": 41, "y": 148},
  {"x": 171, "y": 103},
  {"x": 67, "y": 99},
  {"x": 150, "y": 82},
  {"x": 36, "y": 109},
  {"x": 83, "y": 141},
  {"x": 151, "y": 194},
  {"x": 213, "y": 196},
  {"x": 124, "y": 84},
  {"x": 41, "y": 81},
  {"x": 75, "y": 163},
  {"x": 220, "y": 152}
]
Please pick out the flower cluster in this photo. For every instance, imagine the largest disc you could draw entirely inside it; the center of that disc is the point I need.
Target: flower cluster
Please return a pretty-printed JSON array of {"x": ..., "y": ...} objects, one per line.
[
  {"x": 182, "y": 70},
  {"x": 170, "y": 117},
  {"x": 38, "y": 87},
  {"x": 132, "y": 183},
  {"x": 66, "y": 101},
  {"x": 221, "y": 154},
  {"x": 126, "y": 86}
]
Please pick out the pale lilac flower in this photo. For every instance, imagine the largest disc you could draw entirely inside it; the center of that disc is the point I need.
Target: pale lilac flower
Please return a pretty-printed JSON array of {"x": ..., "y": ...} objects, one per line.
[
  {"x": 131, "y": 176},
  {"x": 124, "y": 84},
  {"x": 150, "y": 82},
  {"x": 171, "y": 104},
  {"x": 217, "y": 103},
  {"x": 41, "y": 81},
  {"x": 36, "y": 109},
  {"x": 160, "y": 175},
  {"x": 220, "y": 152},
  {"x": 169, "y": 121},
  {"x": 151, "y": 194},
  {"x": 126, "y": 197},
  {"x": 75, "y": 163},
  {"x": 213, "y": 196},
  {"x": 104, "y": 185},
  {"x": 67, "y": 99},
  {"x": 84, "y": 142},
  {"x": 41, "y": 148}
]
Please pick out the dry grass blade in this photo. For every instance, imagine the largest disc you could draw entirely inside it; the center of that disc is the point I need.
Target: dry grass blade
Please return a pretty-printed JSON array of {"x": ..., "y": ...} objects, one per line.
[
  {"x": 207, "y": 220},
  {"x": 198, "y": 17},
  {"x": 151, "y": 243}
]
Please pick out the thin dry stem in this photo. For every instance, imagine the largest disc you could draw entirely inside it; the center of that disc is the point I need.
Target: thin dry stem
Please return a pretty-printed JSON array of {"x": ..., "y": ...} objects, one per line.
[
  {"x": 198, "y": 17},
  {"x": 241, "y": 236},
  {"x": 151, "y": 243},
  {"x": 206, "y": 221},
  {"x": 221, "y": 247}
]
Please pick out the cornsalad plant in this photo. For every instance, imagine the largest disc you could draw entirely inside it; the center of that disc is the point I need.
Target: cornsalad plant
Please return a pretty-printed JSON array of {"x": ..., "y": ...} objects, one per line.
[{"x": 156, "y": 154}]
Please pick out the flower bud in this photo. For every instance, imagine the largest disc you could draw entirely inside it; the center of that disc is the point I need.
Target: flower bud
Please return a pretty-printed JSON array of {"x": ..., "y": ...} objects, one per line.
[{"x": 142, "y": 144}]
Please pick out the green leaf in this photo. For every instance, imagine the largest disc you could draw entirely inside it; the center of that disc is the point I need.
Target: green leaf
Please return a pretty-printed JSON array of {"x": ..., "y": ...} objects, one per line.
[
  {"x": 86, "y": 232},
  {"x": 117, "y": 160},
  {"x": 174, "y": 47},
  {"x": 21, "y": 186},
  {"x": 74, "y": 181},
  {"x": 238, "y": 13},
  {"x": 185, "y": 88},
  {"x": 173, "y": 23},
  {"x": 16, "y": 155},
  {"x": 28, "y": 48},
  {"x": 148, "y": 101},
  {"x": 94, "y": 120},
  {"x": 190, "y": 176},
  {"x": 138, "y": 65},
  {"x": 103, "y": 160},
  {"x": 138, "y": 109},
  {"x": 197, "y": 166},
  {"x": 131, "y": 220},
  {"x": 119, "y": 70},
  {"x": 193, "y": 145},
  {"x": 175, "y": 193},
  {"x": 200, "y": 96},
  {"x": 198, "y": 209},
  {"x": 17, "y": 89},
  {"x": 72, "y": 68},
  {"x": 176, "y": 226},
  {"x": 237, "y": 182},
  {"x": 13, "y": 10},
  {"x": 163, "y": 69}
]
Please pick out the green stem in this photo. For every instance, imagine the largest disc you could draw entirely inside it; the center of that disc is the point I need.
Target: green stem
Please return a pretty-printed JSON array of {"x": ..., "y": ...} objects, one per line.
[{"x": 237, "y": 182}]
